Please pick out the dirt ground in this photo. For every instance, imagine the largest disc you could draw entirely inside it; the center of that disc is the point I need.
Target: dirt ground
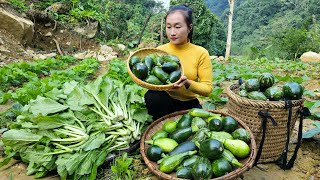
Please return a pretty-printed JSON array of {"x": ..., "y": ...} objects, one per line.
[{"x": 307, "y": 164}]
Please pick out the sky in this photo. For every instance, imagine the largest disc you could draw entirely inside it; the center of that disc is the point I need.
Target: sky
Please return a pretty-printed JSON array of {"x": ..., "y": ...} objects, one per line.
[{"x": 166, "y": 3}]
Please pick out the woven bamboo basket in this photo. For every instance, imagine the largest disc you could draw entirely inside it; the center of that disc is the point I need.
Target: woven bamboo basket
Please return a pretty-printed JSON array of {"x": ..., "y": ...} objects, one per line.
[
  {"x": 157, "y": 125},
  {"x": 276, "y": 136},
  {"x": 142, "y": 53}
]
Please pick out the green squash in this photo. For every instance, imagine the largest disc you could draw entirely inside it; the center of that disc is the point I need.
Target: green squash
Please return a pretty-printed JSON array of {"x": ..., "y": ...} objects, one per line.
[
  {"x": 140, "y": 70},
  {"x": 256, "y": 95},
  {"x": 252, "y": 85},
  {"x": 202, "y": 169},
  {"x": 229, "y": 124},
  {"x": 211, "y": 149},
  {"x": 134, "y": 60},
  {"x": 175, "y": 76},
  {"x": 241, "y": 134},
  {"x": 266, "y": 80},
  {"x": 170, "y": 66},
  {"x": 274, "y": 93},
  {"x": 151, "y": 79},
  {"x": 221, "y": 167},
  {"x": 292, "y": 91},
  {"x": 154, "y": 153},
  {"x": 160, "y": 74}
]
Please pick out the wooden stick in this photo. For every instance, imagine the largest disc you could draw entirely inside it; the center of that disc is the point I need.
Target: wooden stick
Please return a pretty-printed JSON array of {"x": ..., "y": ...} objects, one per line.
[{"x": 58, "y": 46}]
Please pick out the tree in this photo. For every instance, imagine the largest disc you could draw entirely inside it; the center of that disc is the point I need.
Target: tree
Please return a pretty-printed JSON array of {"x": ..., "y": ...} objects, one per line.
[{"x": 231, "y": 4}]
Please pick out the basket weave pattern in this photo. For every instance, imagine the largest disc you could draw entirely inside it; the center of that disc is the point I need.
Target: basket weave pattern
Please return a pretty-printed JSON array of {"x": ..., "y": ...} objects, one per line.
[
  {"x": 142, "y": 53},
  {"x": 276, "y": 136},
  {"x": 157, "y": 125}
]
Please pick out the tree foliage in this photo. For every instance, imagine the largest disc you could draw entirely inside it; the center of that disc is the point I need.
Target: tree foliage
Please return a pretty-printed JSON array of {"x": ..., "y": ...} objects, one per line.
[
  {"x": 268, "y": 26},
  {"x": 125, "y": 19}
]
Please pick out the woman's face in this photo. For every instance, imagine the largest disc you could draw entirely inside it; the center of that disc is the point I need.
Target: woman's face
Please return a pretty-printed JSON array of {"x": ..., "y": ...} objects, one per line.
[{"x": 176, "y": 28}]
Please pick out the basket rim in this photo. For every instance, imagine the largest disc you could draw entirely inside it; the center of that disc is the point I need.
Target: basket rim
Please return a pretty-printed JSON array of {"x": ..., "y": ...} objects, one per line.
[
  {"x": 235, "y": 173},
  {"x": 258, "y": 103},
  {"x": 148, "y": 85}
]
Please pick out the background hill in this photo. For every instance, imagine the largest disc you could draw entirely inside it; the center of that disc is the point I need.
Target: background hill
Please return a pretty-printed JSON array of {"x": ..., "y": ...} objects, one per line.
[{"x": 274, "y": 28}]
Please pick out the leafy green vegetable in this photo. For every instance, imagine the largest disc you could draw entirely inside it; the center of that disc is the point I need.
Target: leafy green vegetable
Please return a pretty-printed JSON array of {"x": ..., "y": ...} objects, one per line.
[
  {"x": 120, "y": 167},
  {"x": 74, "y": 132}
]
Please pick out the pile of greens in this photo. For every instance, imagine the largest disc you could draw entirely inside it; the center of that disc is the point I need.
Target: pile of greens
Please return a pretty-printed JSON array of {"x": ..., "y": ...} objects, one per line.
[{"x": 72, "y": 129}]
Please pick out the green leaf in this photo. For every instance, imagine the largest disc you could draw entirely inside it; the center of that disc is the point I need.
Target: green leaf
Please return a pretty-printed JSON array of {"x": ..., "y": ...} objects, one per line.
[
  {"x": 316, "y": 114},
  {"x": 94, "y": 141},
  {"x": 46, "y": 122},
  {"x": 74, "y": 162},
  {"x": 309, "y": 93},
  {"x": 315, "y": 105},
  {"x": 19, "y": 140},
  {"x": 141, "y": 115},
  {"x": 311, "y": 133},
  {"x": 308, "y": 104},
  {"x": 69, "y": 86},
  {"x": 18, "y": 137},
  {"x": 77, "y": 99},
  {"x": 7, "y": 159},
  {"x": 317, "y": 124},
  {"x": 61, "y": 165},
  {"x": 208, "y": 105},
  {"x": 86, "y": 166},
  {"x": 56, "y": 94},
  {"x": 45, "y": 106},
  {"x": 37, "y": 156}
]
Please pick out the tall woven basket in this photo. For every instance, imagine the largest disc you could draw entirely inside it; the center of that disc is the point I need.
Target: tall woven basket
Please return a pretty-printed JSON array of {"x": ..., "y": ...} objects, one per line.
[{"x": 247, "y": 110}]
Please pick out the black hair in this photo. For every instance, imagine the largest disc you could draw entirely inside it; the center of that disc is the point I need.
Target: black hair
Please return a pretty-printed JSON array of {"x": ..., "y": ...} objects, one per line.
[{"x": 187, "y": 16}]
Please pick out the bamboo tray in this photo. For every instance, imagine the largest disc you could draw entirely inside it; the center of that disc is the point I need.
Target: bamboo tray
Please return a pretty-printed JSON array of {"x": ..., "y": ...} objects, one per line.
[{"x": 142, "y": 53}]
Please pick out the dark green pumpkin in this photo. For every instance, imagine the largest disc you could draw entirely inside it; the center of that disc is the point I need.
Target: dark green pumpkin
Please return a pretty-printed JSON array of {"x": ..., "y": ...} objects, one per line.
[
  {"x": 184, "y": 121},
  {"x": 170, "y": 66},
  {"x": 184, "y": 173},
  {"x": 171, "y": 58},
  {"x": 256, "y": 95},
  {"x": 202, "y": 169},
  {"x": 221, "y": 167},
  {"x": 181, "y": 134},
  {"x": 154, "y": 153},
  {"x": 243, "y": 93},
  {"x": 229, "y": 124},
  {"x": 160, "y": 74},
  {"x": 134, "y": 60},
  {"x": 153, "y": 80},
  {"x": 215, "y": 124},
  {"x": 252, "y": 85},
  {"x": 292, "y": 90},
  {"x": 149, "y": 63},
  {"x": 211, "y": 149},
  {"x": 190, "y": 161},
  {"x": 274, "y": 93},
  {"x": 175, "y": 76},
  {"x": 241, "y": 134},
  {"x": 140, "y": 70},
  {"x": 184, "y": 147},
  {"x": 266, "y": 80}
]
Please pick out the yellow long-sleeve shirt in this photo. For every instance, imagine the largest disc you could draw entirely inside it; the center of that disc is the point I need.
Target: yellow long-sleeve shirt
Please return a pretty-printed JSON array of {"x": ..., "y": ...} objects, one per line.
[{"x": 197, "y": 67}]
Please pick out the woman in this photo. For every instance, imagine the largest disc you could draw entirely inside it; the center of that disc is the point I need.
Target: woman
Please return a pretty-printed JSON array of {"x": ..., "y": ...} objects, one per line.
[{"x": 197, "y": 79}]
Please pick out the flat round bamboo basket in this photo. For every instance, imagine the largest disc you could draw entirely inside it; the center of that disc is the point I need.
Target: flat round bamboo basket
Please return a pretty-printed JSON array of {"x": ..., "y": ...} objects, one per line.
[
  {"x": 276, "y": 136},
  {"x": 157, "y": 125},
  {"x": 142, "y": 53}
]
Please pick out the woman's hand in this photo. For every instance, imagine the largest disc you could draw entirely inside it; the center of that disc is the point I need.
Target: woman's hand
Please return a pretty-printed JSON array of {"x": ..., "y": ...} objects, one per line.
[{"x": 184, "y": 81}]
